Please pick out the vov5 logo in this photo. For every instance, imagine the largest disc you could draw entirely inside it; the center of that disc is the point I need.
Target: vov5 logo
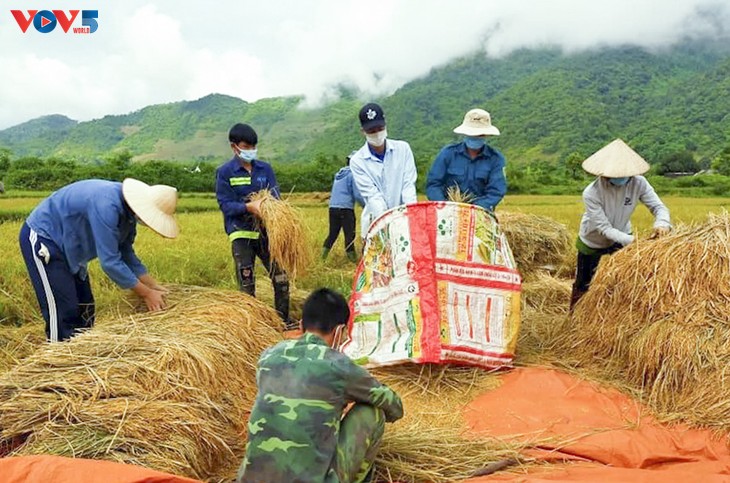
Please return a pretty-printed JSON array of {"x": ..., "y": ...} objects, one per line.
[{"x": 45, "y": 21}]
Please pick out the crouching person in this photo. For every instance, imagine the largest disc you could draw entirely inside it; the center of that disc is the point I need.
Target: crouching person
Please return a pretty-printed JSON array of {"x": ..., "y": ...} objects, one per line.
[{"x": 299, "y": 429}]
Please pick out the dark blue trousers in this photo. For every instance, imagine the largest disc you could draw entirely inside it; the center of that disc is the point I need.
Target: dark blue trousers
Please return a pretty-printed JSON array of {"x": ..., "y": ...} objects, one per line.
[{"x": 66, "y": 301}]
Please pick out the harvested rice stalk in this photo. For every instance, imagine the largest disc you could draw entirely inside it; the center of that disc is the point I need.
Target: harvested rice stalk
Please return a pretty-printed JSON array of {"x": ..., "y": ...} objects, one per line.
[
  {"x": 539, "y": 244},
  {"x": 427, "y": 389},
  {"x": 168, "y": 390},
  {"x": 657, "y": 318},
  {"x": 420, "y": 452},
  {"x": 547, "y": 294},
  {"x": 454, "y": 193},
  {"x": 288, "y": 240},
  {"x": 16, "y": 343},
  {"x": 540, "y": 332},
  {"x": 428, "y": 444},
  {"x": 426, "y": 383},
  {"x": 172, "y": 391}
]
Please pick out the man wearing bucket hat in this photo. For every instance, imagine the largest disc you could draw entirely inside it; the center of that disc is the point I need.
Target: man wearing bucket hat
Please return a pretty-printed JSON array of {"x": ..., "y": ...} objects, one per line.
[
  {"x": 343, "y": 196},
  {"x": 86, "y": 220},
  {"x": 473, "y": 166},
  {"x": 383, "y": 170},
  {"x": 609, "y": 202}
]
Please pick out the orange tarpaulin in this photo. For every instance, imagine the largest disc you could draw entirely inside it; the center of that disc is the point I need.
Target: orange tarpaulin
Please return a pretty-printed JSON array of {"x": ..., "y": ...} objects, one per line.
[
  {"x": 57, "y": 469},
  {"x": 610, "y": 431},
  {"x": 607, "y": 436}
]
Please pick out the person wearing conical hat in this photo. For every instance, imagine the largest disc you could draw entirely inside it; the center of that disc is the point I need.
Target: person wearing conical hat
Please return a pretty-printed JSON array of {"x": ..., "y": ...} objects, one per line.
[
  {"x": 86, "y": 220},
  {"x": 473, "y": 166},
  {"x": 609, "y": 202}
]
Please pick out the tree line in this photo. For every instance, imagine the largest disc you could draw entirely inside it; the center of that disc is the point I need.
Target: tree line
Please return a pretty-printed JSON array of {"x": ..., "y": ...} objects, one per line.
[{"x": 539, "y": 177}]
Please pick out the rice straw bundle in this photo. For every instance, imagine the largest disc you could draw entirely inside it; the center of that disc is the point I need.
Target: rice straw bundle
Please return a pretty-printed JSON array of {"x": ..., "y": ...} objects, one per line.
[
  {"x": 172, "y": 391},
  {"x": 547, "y": 294},
  {"x": 429, "y": 388},
  {"x": 454, "y": 193},
  {"x": 538, "y": 243},
  {"x": 418, "y": 452},
  {"x": 430, "y": 442},
  {"x": 17, "y": 343},
  {"x": 657, "y": 316},
  {"x": 288, "y": 240},
  {"x": 541, "y": 337},
  {"x": 264, "y": 293},
  {"x": 168, "y": 390}
]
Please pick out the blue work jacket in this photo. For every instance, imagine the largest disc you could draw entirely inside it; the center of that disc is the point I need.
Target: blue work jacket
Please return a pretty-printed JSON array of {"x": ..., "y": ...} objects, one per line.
[
  {"x": 482, "y": 177},
  {"x": 234, "y": 184}
]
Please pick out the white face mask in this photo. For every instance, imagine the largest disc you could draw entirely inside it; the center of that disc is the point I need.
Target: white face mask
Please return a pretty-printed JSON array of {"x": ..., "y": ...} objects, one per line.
[
  {"x": 247, "y": 154},
  {"x": 377, "y": 139}
]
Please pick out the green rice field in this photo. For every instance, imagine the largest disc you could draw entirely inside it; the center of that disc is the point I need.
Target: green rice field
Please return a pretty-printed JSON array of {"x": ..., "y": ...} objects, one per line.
[{"x": 201, "y": 254}]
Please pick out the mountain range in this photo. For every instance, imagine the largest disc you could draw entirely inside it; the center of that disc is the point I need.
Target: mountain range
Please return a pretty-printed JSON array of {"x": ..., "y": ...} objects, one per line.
[{"x": 547, "y": 104}]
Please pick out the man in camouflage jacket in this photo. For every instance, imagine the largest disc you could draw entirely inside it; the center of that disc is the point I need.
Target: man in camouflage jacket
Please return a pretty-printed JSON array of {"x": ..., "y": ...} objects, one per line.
[{"x": 296, "y": 431}]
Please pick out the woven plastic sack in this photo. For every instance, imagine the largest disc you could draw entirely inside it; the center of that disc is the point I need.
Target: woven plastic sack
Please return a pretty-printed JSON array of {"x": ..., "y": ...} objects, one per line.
[{"x": 437, "y": 283}]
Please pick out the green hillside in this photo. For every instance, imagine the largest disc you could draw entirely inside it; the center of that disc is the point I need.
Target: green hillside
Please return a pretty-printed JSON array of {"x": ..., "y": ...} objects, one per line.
[
  {"x": 547, "y": 105},
  {"x": 37, "y": 134}
]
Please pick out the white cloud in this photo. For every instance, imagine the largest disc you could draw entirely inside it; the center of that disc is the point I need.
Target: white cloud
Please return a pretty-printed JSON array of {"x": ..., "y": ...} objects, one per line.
[{"x": 147, "y": 52}]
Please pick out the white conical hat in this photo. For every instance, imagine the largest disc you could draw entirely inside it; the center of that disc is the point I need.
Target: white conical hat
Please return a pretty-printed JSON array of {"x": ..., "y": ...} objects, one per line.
[
  {"x": 154, "y": 205},
  {"x": 616, "y": 160}
]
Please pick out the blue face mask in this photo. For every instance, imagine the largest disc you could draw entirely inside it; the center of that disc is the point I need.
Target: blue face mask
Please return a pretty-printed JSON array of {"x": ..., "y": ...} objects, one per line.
[
  {"x": 247, "y": 154},
  {"x": 474, "y": 143},
  {"x": 618, "y": 181}
]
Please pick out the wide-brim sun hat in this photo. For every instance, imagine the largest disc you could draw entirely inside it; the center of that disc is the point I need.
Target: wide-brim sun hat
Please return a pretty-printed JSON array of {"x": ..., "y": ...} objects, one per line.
[
  {"x": 154, "y": 205},
  {"x": 616, "y": 160},
  {"x": 477, "y": 122}
]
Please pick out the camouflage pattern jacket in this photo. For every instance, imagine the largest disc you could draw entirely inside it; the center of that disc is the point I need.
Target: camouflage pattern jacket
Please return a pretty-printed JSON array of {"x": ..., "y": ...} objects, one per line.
[{"x": 303, "y": 387}]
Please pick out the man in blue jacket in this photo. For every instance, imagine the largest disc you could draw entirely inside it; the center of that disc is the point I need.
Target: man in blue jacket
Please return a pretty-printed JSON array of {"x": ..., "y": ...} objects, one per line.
[
  {"x": 236, "y": 180},
  {"x": 342, "y": 211},
  {"x": 473, "y": 166},
  {"x": 82, "y": 221}
]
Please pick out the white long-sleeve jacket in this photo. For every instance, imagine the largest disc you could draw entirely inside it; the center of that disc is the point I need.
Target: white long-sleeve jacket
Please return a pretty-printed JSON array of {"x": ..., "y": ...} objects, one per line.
[
  {"x": 608, "y": 211},
  {"x": 384, "y": 184}
]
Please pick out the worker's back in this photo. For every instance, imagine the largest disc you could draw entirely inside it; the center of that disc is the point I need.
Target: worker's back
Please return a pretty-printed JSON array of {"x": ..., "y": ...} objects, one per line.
[{"x": 303, "y": 386}]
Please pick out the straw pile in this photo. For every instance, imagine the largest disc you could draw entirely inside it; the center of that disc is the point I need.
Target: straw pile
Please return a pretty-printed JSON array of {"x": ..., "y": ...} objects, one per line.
[
  {"x": 288, "y": 240},
  {"x": 17, "y": 343},
  {"x": 169, "y": 391},
  {"x": 546, "y": 294},
  {"x": 172, "y": 391},
  {"x": 538, "y": 243},
  {"x": 418, "y": 452},
  {"x": 658, "y": 317},
  {"x": 428, "y": 444}
]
